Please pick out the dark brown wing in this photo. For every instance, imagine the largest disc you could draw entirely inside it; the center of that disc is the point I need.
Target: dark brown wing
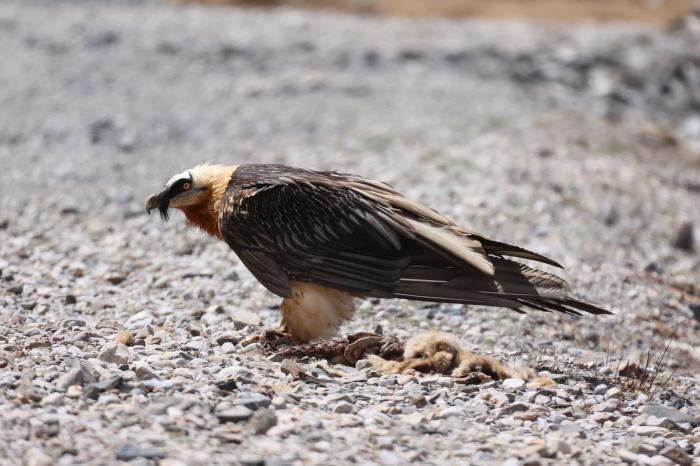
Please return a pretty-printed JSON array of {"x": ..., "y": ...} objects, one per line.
[
  {"x": 298, "y": 225},
  {"x": 362, "y": 236}
]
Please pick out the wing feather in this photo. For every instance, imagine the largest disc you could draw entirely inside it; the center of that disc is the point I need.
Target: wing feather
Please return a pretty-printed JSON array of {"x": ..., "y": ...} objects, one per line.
[{"x": 364, "y": 237}]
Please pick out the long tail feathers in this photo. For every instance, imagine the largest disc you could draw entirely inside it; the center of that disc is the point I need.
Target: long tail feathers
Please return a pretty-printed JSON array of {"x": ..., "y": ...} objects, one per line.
[{"x": 513, "y": 285}]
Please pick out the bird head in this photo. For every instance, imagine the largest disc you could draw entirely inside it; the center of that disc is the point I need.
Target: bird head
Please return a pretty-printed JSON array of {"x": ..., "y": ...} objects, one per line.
[{"x": 190, "y": 189}]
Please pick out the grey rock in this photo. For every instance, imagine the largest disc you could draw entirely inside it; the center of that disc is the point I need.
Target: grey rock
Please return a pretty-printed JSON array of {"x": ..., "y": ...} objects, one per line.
[
  {"x": 253, "y": 401},
  {"x": 235, "y": 414},
  {"x": 242, "y": 319},
  {"x": 672, "y": 414},
  {"x": 80, "y": 374},
  {"x": 130, "y": 452},
  {"x": 93, "y": 390},
  {"x": 677, "y": 455},
  {"x": 513, "y": 384},
  {"x": 685, "y": 237},
  {"x": 263, "y": 420},
  {"x": 144, "y": 371},
  {"x": 343, "y": 407},
  {"x": 117, "y": 354}
]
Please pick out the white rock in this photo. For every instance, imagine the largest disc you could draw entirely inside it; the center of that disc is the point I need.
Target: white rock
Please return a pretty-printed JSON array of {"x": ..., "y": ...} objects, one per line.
[
  {"x": 117, "y": 354},
  {"x": 450, "y": 412},
  {"x": 52, "y": 399},
  {"x": 513, "y": 384},
  {"x": 343, "y": 407}
]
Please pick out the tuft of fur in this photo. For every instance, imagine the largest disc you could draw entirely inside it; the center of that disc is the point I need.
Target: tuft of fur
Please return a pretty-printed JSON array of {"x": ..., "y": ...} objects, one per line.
[{"x": 441, "y": 353}]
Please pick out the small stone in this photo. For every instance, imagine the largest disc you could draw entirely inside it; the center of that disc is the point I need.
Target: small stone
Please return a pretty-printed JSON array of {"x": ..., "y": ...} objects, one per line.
[
  {"x": 685, "y": 237},
  {"x": 649, "y": 431},
  {"x": 37, "y": 342},
  {"x": 228, "y": 348},
  {"x": 263, "y": 420},
  {"x": 601, "y": 389},
  {"x": 248, "y": 459},
  {"x": 235, "y": 414},
  {"x": 130, "y": 452},
  {"x": 70, "y": 299},
  {"x": 558, "y": 445},
  {"x": 279, "y": 402},
  {"x": 450, "y": 412},
  {"x": 343, "y": 407},
  {"x": 677, "y": 455},
  {"x": 80, "y": 374},
  {"x": 144, "y": 371},
  {"x": 516, "y": 407},
  {"x": 125, "y": 337},
  {"x": 676, "y": 416},
  {"x": 93, "y": 390},
  {"x": 251, "y": 348},
  {"x": 143, "y": 333},
  {"x": 36, "y": 457},
  {"x": 513, "y": 384},
  {"x": 74, "y": 391},
  {"x": 242, "y": 319},
  {"x": 600, "y": 418},
  {"x": 115, "y": 278},
  {"x": 628, "y": 456},
  {"x": 117, "y": 354},
  {"x": 658, "y": 460},
  {"x": 152, "y": 340},
  {"x": 254, "y": 401},
  {"x": 695, "y": 309},
  {"x": 229, "y": 337},
  {"x": 227, "y": 385},
  {"x": 52, "y": 399},
  {"x": 613, "y": 392}
]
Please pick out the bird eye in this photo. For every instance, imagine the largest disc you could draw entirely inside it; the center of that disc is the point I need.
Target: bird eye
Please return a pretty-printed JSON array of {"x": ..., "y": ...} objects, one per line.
[{"x": 186, "y": 186}]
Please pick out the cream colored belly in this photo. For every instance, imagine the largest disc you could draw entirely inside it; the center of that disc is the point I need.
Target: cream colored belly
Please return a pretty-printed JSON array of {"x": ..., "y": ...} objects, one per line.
[{"x": 315, "y": 311}]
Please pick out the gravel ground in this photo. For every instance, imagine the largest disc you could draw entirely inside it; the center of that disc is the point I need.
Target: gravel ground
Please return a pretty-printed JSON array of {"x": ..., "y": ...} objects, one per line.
[{"x": 579, "y": 142}]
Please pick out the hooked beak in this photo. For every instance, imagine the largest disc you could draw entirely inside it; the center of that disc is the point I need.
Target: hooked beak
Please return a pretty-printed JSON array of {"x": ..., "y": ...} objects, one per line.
[{"x": 161, "y": 201}]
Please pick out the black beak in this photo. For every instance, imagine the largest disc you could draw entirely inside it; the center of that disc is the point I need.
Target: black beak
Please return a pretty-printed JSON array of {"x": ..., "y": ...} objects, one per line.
[{"x": 160, "y": 201}]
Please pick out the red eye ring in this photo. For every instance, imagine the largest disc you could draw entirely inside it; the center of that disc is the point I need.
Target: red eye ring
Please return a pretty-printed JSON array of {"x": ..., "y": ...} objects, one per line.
[{"x": 186, "y": 186}]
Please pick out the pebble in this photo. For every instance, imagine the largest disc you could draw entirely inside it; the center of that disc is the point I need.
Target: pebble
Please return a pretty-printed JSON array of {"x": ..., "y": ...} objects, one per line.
[
  {"x": 117, "y": 354},
  {"x": 242, "y": 319},
  {"x": 79, "y": 374},
  {"x": 130, "y": 452},
  {"x": 262, "y": 421},
  {"x": 600, "y": 389},
  {"x": 235, "y": 414},
  {"x": 125, "y": 337},
  {"x": 676, "y": 455},
  {"x": 343, "y": 407},
  {"x": 672, "y": 414},
  {"x": 513, "y": 384}
]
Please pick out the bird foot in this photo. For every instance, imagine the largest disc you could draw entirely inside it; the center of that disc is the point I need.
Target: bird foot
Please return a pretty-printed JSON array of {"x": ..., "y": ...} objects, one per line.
[
  {"x": 270, "y": 339},
  {"x": 364, "y": 343},
  {"x": 346, "y": 350}
]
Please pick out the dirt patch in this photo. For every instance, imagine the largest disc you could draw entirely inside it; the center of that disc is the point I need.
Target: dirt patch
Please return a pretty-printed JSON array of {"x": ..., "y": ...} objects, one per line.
[{"x": 656, "y": 12}]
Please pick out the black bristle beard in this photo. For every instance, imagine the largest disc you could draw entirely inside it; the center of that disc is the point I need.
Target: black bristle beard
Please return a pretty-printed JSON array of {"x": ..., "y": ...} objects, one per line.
[{"x": 163, "y": 209}]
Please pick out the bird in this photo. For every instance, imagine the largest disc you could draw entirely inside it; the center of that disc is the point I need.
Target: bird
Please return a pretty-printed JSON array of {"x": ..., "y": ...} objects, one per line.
[{"x": 320, "y": 239}]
